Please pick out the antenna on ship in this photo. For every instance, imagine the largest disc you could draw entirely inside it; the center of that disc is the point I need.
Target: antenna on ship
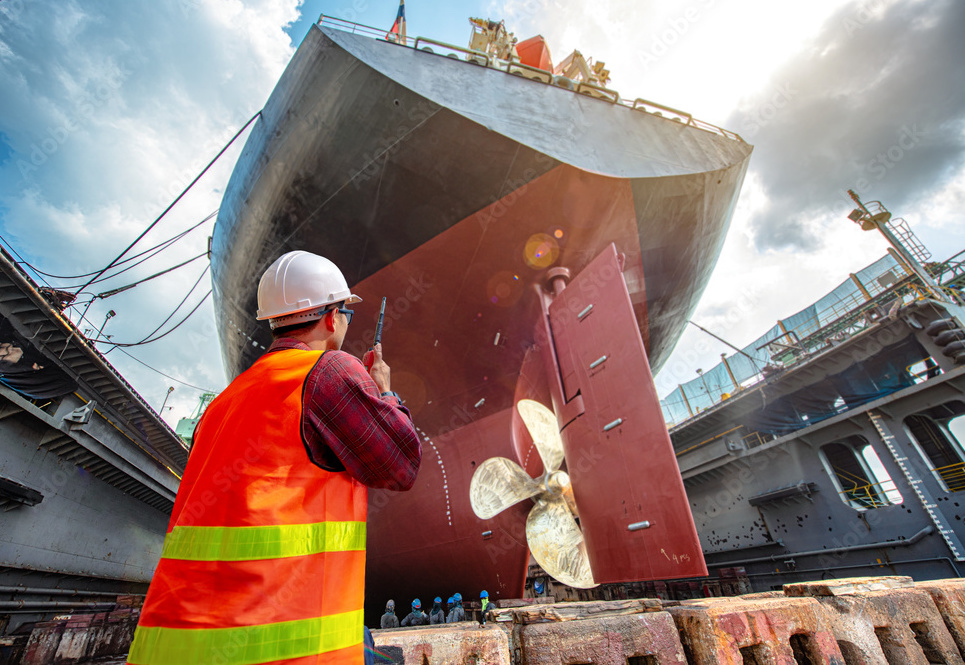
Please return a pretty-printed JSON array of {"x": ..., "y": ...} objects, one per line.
[{"x": 909, "y": 249}]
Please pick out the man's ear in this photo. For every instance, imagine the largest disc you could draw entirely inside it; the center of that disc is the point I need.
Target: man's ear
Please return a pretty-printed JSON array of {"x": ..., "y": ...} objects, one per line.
[{"x": 329, "y": 320}]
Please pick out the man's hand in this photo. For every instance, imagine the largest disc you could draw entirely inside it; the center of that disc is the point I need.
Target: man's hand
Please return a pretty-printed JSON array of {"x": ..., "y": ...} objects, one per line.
[{"x": 377, "y": 368}]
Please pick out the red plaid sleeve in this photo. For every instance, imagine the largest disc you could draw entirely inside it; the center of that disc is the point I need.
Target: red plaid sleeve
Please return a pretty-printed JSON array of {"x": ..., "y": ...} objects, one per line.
[{"x": 347, "y": 426}]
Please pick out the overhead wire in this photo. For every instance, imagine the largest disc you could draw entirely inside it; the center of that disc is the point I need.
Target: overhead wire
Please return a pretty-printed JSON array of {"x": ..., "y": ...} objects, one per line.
[
  {"x": 166, "y": 333},
  {"x": 172, "y": 204},
  {"x": 9, "y": 246},
  {"x": 155, "y": 250},
  {"x": 121, "y": 289},
  {"x": 183, "y": 300},
  {"x": 155, "y": 369},
  {"x": 99, "y": 275}
]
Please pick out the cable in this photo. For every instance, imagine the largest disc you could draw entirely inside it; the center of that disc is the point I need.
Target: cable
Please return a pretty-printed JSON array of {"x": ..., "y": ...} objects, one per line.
[
  {"x": 157, "y": 249},
  {"x": 173, "y": 203},
  {"x": 165, "y": 334},
  {"x": 183, "y": 300},
  {"x": 121, "y": 289},
  {"x": 154, "y": 369},
  {"x": 22, "y": 260}
]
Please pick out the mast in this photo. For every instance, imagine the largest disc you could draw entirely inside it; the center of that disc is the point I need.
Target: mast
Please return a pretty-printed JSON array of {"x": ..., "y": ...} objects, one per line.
[{"x": 881, "y": 219}]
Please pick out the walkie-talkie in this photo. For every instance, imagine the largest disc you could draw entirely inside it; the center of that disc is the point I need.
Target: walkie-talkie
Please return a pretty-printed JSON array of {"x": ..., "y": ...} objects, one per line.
[{"x": 378, "y": 326}]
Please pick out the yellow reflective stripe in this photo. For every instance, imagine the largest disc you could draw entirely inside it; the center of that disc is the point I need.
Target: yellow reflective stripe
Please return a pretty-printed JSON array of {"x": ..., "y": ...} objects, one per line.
[
  {"x": 248, "y": 543},
  {"x": 246, "y": 645}
]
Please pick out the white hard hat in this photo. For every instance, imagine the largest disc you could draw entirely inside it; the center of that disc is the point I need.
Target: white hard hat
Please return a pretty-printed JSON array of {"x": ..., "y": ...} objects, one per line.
[{"x": 298, "y": 287}]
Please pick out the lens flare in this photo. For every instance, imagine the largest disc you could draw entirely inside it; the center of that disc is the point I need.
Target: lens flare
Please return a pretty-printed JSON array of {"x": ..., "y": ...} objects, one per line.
[
  {"x": 504, "y": 288},
  {"x": 541, "y": 251}
]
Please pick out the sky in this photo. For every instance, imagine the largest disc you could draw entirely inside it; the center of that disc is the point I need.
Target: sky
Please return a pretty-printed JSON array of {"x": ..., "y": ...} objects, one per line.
[{"x": 109, "y": 108}]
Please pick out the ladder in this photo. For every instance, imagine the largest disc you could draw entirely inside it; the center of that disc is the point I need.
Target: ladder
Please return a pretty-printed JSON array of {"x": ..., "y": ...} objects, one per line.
[
  {"x": 914, "y": 480},
  {"x": 899, "y": 227}
]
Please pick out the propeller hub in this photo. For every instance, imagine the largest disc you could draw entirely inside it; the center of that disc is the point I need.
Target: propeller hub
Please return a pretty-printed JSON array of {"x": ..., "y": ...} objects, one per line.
[{"x": 557, "y": 483}]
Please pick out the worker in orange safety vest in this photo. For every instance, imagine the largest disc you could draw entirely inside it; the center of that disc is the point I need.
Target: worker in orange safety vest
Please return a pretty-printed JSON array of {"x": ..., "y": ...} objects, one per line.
[{"x": 264, "y": 558}]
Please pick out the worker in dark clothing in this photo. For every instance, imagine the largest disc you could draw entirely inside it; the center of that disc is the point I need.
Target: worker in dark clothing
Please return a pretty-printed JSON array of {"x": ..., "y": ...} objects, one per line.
[
  {"x": 457, "y": 613},
  {"x": 416, "y": 617},
  {"x": 389, "y": 620},
  {"x": 437, "y": 615}
]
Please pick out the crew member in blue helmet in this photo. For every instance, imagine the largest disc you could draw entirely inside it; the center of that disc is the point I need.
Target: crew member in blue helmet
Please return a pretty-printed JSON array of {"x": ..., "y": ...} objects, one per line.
[
  {"x": 437, "y": 614},
  {"x": 457, "y": 613},
  {"x": 389, "y": 620},
  {"x": 416, "y": 617},
  {"x": 486, "y": 607}
]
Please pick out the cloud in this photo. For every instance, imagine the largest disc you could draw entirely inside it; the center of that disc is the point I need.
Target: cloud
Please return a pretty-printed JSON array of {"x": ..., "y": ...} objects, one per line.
[
  {"x": 107, "y": 110},
  {"x": 875, "y": 103}
]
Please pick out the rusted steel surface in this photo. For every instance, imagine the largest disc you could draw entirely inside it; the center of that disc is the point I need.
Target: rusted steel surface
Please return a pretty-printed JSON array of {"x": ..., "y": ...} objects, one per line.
[
  {"x": 80, "y": 638},
  {"x": 613, "y": 640},
  {"x": 768, "y": 630},
  {"x": 544, "y": 613},
  {"x": 459, "y": 643},
  {"x": 859, "y": 621},
  {"x": 899, "y": 625},
  {"x": 949, "y": 597},
  {"x": 848, "y": 586}
]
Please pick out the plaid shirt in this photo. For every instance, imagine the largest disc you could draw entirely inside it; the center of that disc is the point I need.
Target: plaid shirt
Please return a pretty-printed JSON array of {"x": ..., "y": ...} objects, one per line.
[{"x": 346, "y": 426}]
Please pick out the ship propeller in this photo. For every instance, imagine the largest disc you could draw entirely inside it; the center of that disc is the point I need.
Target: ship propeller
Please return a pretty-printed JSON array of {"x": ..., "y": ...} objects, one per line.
[{"x": 552, "y": 532}]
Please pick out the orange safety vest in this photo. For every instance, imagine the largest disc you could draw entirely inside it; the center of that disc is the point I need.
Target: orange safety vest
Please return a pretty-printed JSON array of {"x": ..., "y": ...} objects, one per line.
[{"x": 264, "y": 559}]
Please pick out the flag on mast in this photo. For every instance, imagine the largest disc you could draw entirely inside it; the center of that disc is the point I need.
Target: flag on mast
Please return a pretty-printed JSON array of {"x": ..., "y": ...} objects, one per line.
[{"x": 398, "y": 28}]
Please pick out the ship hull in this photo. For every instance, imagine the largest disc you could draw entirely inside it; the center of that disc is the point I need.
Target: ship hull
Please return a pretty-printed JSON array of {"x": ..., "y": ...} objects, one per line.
[{"x": 451, "y": 189}]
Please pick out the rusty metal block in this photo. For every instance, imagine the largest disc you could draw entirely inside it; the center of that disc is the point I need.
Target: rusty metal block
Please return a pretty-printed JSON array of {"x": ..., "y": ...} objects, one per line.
[
  {"x": 949, "y": 597},
  {"x": 43, "y": 642},
  {"x": 898, "y": 625},
  {"x": 847, "y": 586},
  {"x": 759, "y": 631},
  {"x": 453, "y": 644},
  {"x": 613, "y": 640}
]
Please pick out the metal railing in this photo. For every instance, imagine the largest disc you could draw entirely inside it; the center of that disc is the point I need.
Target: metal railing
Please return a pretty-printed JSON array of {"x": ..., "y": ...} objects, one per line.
[
  {"x": 515, "y": 67},
  {"x": 953, "y": 476},
  {"x": 863, "y": 494}
]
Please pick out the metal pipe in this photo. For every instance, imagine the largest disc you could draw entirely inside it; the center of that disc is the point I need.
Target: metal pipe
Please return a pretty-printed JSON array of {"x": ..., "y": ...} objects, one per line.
[
  {"x": 53, "y": 605},
  {"x": 837, "y": 550},
  {"x": 808, "y": 571},
  {"x": 38, "y": 591}
]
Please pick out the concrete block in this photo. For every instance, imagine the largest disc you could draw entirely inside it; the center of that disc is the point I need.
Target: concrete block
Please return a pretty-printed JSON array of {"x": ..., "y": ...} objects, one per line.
[
  {"x": 949, "y": 597},
  {"x": 455, "y": 644},
  {"x": 613, "y": 640},
  {"x": 759, "y": 631},
  {"x": 898, "y": 625}
]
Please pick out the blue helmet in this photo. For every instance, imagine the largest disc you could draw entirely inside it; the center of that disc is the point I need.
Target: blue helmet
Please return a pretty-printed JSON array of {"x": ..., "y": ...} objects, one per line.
[
  {"x": 457, "y": 597},
  {"x": 437, "y": 599},
  {"x": 449, "y": 602},
  {"x": 416, "y": 604},
  {"x": 484, "y": 594}
]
